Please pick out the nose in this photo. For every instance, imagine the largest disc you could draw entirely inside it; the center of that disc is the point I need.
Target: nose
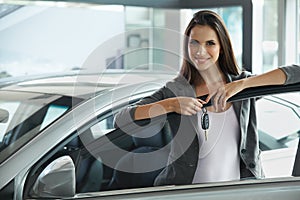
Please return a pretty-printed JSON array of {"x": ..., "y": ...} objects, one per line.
[{"x": 201, "y": 50}]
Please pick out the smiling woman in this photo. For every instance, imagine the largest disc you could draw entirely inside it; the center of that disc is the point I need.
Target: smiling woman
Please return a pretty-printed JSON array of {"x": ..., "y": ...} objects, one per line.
[{"x": 210, "y": 70}]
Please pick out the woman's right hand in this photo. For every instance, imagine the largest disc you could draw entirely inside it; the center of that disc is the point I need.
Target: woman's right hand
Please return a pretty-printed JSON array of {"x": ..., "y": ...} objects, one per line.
[
  {"x": 186, "y": 105},
  {"x": 180, "y": 105}
]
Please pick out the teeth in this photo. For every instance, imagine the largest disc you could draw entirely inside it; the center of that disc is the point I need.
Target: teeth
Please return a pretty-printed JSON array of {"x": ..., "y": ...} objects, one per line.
[{"x": 201, "y": 59}]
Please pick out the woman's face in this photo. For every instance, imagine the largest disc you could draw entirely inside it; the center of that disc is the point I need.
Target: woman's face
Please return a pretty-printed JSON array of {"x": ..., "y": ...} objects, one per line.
[{"x": 203, "y": 47}]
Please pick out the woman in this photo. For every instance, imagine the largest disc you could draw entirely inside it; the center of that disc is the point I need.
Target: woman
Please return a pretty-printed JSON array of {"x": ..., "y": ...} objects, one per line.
[{"x": 228, "y": 149}]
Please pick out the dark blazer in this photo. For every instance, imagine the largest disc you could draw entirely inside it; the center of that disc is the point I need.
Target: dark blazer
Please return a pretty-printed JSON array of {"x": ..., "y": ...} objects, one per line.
[{"x": 183, "y": 158}]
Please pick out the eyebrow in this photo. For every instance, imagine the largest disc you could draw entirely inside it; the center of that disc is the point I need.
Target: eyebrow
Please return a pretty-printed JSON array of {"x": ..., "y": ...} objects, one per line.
[{"x": 212, "y": 40}]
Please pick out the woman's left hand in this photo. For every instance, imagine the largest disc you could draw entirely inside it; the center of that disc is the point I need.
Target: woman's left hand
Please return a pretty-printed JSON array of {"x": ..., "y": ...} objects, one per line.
[{"x": 219, "y": 95}]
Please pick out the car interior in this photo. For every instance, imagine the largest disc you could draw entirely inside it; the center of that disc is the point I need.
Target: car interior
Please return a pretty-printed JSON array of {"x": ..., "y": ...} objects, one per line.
[{"x": 89, "y": 157}]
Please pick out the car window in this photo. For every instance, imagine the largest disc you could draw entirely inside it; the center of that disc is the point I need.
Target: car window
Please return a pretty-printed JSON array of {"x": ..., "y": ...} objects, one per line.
[
  {"x": 11, "y": 107},
  {"x": 53, "y": 112},
  {"x": 28, "y": 114},
  {"x": 277, "y": 119},
  {"x": 278, "y": 129},
  {"x": 103, "y": 127}
]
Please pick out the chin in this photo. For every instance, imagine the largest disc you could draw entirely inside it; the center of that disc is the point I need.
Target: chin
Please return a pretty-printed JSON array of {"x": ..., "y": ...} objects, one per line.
[{"x": 202, "y": 67}]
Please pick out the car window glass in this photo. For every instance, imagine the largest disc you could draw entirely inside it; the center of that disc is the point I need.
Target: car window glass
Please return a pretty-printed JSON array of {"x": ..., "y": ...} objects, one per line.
[
  {"x": 53, "y": 112},
  {"x": 29, "y": 113},
  {"x": 278, "y": 128},
  {"x": 293, "y": 98},
  {"x": 11, "y": 107},
  {"x": 277, "y": 118},
  {"x": 102, "y": 127}
]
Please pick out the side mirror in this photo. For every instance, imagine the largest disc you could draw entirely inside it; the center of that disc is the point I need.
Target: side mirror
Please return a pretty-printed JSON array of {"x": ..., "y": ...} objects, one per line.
[
  {"x": 56, "y": 180},
  {"x": 4, "y": 115}
]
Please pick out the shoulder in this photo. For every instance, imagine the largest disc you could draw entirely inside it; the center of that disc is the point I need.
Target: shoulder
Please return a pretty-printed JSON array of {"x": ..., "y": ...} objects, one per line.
[
  {"x": 180, "y": 86},
  {"x": 178, "y": 81}
]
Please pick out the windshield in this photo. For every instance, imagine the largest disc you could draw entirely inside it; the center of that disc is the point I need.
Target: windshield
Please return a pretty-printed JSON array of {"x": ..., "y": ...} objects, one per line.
[{"x": 23, "y": 115}]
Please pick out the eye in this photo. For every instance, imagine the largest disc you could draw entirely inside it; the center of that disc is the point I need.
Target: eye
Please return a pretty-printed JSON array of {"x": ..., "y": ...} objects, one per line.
[
  {"x": 193, "y": 42},
  {"x": 210, "y": 43}
]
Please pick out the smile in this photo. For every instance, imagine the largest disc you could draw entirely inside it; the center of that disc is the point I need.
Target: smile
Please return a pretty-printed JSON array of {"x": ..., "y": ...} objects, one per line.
[{"x": 201, "y": 60}]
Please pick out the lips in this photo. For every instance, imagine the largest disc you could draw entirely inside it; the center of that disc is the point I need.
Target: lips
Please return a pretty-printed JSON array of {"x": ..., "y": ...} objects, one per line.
[{"x": 201, "y": 60}]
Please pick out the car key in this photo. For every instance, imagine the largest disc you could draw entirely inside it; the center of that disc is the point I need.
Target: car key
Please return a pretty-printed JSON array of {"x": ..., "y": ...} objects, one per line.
[{"x": 205, "y": 122}]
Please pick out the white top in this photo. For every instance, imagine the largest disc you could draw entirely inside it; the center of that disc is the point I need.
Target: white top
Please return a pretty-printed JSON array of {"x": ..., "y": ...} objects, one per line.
[{"x": 219, "y": 158}]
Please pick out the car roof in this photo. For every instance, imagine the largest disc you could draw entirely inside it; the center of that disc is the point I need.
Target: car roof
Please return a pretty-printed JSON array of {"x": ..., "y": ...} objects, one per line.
[{"x": 81, "y": 84}]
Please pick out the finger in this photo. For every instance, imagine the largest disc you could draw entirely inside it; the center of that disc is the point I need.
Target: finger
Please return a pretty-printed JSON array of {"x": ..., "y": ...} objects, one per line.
[
  {"x": 211, "y": 95},
  {"x": 189, "y": 107},
  {"x": 221, "y": 98},
  {"x": 185, "y": 110},
  {"x": 191, "y": 111},
  {"x": 222, "y": 102},
  {"x": 225, "y": 101},
  {"x": 208, "y": 98},
  {"x": 194, "y": 112},
  {"x": 216, "y": 100},
  {"x": 196, "y": 107},
  {"x": 201, "y": 102},
  {"x": 198, "y": 104}
]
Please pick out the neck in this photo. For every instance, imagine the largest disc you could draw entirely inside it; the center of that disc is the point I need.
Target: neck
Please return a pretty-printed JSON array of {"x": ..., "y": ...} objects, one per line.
[{"x": 212, "y": 76}]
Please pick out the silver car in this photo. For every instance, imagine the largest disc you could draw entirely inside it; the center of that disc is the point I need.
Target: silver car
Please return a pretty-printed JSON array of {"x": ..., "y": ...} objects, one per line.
[{"x": 58, "y": 141}]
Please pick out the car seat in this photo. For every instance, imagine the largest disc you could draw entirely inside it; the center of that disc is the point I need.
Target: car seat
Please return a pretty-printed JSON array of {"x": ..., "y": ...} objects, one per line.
[{"x": 122, "y": 180}]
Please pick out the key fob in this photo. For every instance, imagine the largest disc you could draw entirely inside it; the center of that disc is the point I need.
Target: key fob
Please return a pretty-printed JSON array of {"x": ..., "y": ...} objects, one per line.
[{"x": 205, "y": 121}]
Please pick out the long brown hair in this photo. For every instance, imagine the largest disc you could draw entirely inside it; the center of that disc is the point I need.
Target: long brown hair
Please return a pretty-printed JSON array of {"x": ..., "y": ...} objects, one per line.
[{"x": 227, "y": 61}]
